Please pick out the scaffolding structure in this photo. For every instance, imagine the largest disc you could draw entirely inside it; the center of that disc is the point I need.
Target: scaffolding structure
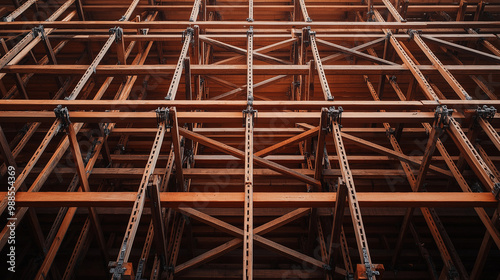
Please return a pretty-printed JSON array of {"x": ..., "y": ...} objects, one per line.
[{"x": 287, "y": 139}]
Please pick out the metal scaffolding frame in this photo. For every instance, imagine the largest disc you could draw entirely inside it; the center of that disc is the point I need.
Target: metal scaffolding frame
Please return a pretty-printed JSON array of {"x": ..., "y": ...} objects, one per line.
[{"x": 390, "y": 172}]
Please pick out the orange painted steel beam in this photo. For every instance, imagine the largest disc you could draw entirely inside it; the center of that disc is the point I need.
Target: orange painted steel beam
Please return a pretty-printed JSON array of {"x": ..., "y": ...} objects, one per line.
[{"x": 273, "y": 200}]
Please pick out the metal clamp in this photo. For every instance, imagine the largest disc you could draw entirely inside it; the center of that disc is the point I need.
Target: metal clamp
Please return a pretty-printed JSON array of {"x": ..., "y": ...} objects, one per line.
[
  {"x": 412, "y": 32},
  {"x": 251, "y": 111},
  {"x": 250, "y": 19},
  {"x": 486, "y": 112},
  {"x": 369, "y": 272},
  {"x": 335, "y": 115},
  {"x": 187, "y": 32},
  {"x": 63, "y": 115},
  {"x": 250, "y": 30},
  {"x": 442, "y": 116},
  {"x": 123, "y": 18},
  {"x": 118, "y": 31},
  {"x": 39, "y": 30},
  {"x": 163, "y": 115}
]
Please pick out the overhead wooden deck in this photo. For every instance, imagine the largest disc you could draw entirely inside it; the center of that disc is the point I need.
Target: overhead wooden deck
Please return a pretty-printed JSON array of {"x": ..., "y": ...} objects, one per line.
[{"x": 250, "y": 139}]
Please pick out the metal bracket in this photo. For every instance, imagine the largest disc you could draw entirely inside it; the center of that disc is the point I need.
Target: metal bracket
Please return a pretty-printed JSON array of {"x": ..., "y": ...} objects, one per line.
[
  {"x": 123, "y": 18},
  {"x": 442, "y": 116},
  {"x": 188, "y": 31},
  {"x": 119, "y": 33},
  {"x": 486, "y": 112},
  {"x": 369, "y": 272},
  {"x": 250, "y": 19},
  {"x": 39, "y": 30},
  {"x": 250, "y": 30},
  {"x": 163, "y": 115},
  {"x": 63, "y": 115}
]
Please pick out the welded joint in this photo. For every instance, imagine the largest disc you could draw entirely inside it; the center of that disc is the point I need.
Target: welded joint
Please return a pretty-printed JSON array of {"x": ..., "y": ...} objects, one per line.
[
  {"x": 39, "y": 30},
  {"x": 63, "y": 115},
  {"x": 163, "y": 115},
  {"x": 442, "y": 116},
  {"x": 118, "y": 31}
]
